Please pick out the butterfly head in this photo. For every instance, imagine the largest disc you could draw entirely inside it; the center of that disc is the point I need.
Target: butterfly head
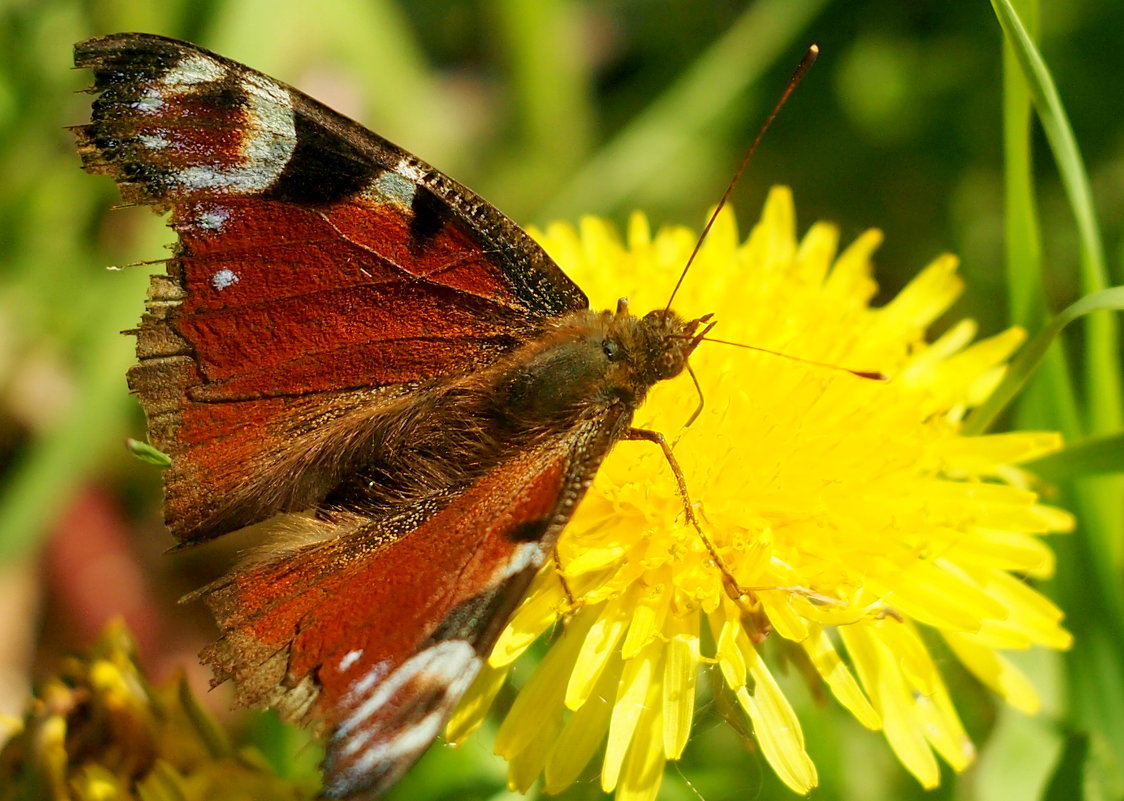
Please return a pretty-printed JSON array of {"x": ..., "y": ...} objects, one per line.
[{"x": 659, "y": 343}]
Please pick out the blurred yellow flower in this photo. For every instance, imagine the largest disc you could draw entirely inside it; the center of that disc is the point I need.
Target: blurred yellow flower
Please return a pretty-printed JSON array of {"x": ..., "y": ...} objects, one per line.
[
  {"x": 100, "y": 731},
  {"x": 852, "y": 512}
]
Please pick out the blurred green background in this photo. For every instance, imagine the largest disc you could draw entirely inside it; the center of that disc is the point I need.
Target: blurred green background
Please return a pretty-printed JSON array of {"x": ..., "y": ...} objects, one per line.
[{"x": 551, "y": 110}]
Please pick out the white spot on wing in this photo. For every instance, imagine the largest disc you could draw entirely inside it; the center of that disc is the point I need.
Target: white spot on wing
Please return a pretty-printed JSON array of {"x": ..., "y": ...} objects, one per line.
[
  {"x": 150, "y": 101},
  {"x": 349, "y": 659},
  {"x": 153, "y": 141},
  {"x": 224, "y": 278},
  {"x": 408, "y": 167},
  {"x": 213, "y": 218},
  {"x": 396, "y": 188},
  {"x": 408, "y": 742},
  {"x": 372, "y": 677},
  {"x": 451, "y": 665},
  {"x": 192, "y": 69},
  {"x": 527, "y": 554},
  {"x": 207, "y": 178}
]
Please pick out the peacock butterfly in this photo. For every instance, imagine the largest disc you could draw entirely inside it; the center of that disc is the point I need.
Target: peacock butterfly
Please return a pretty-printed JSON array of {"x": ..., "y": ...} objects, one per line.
[{"x": 352, "y": 346}]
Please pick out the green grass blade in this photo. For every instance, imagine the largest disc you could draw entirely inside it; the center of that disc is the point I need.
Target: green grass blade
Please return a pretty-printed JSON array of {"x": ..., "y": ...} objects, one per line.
[
  {"x": 1090, "y": 457},
  {"x": 1067, "y": 783},
  {"x": 1024, "y": 365},
  {"x": 1088, "y": 583},
  {"x": 1049, "y": 401},
  {"x": 147, "y": 453},
  {"x": 1022, "y": 235},
  {"x": 1103, "y": 381}
]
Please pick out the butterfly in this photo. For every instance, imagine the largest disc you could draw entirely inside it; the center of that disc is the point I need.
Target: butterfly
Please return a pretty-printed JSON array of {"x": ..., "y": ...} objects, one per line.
[{"x": 359, "y": 352}]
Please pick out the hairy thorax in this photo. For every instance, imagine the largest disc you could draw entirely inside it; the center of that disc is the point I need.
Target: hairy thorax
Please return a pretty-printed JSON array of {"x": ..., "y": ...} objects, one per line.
[{"x": 585, "y": 364}]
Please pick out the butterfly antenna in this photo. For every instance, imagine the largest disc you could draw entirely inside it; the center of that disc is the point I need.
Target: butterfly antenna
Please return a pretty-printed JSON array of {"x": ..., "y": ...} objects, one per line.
[
  {"x": 873, "y": 375},
  {"x": 797, "y": 76}
]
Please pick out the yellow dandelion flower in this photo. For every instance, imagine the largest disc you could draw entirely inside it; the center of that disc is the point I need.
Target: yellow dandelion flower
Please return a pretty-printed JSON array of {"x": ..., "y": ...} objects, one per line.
[
  {"x": 100, "y": 730},
  {"x": 853, "y": 513}
]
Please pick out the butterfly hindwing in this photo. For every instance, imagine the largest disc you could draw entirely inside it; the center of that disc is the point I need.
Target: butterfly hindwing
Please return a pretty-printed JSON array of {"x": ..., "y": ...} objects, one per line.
[
  {"x": 378, "y": 635},
  {"x": 319, "y": 268}
]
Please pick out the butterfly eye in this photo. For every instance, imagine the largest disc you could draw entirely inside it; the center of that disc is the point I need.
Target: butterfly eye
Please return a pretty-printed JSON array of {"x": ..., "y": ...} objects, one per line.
[{"x": 611, "y": 349}]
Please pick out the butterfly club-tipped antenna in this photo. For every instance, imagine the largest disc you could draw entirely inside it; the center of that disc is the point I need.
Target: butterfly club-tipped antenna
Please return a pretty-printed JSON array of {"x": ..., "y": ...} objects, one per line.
[
  {"x": 872, "y": 375},
  {"x": 793, "y": 82}
]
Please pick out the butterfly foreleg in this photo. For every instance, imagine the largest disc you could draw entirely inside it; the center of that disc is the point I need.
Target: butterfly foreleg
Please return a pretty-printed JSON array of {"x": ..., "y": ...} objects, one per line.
[{"x": 733, "y": 589}]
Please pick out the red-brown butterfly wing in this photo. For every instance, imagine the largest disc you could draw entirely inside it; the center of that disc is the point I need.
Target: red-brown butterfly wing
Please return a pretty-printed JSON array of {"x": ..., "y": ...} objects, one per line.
[
  {"x": 319, "y": 270},
  {"x": 380, "y": 629}
]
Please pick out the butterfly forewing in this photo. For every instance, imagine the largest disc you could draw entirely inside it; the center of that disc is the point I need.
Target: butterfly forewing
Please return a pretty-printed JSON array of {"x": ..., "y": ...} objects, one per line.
[{"x": 314, "y": 259}]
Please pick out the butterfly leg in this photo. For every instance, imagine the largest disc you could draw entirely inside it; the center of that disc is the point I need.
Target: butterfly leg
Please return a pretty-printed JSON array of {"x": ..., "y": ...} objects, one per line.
[
  {"x": 733, "y": 589},
  {"x": 570, "y": 599},
  {"x": 756, "y": 622}
]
